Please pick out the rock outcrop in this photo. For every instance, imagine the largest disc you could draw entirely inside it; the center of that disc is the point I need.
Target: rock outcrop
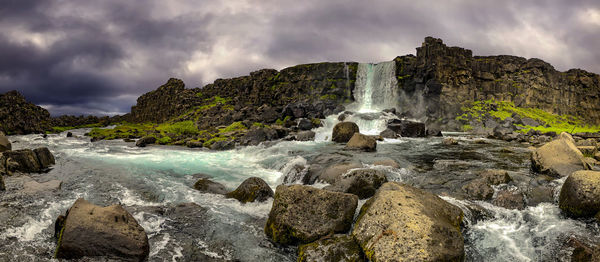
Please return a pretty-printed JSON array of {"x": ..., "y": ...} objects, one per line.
[
  {"x": 252, "y": 189},
  {"x": 406, "y": 128},
  {"x": 403, "y": 223},
  {"x": 169, "y": 100},
  {"x": 144, "y": 141},
  {"x": 303, "y": 214},
  {"x": 18, "y": 116},
  {"x": 339, "y": 248},
  {"x": 89, "y": 230},
  {"x": 558, "y": 158},
  {"x": 580, "y": 194}
]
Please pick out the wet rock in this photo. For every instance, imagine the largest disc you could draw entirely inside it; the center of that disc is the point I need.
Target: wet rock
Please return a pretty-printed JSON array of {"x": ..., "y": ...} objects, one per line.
[
  {"x": 222, "y": 145},
  {"x": 258, "y": 135},
  {"x": 406, "y": 128},
  {"x": 341, "y": 248},
  {"x": 478, "y": 189},
  {"x": 361, "y": 182},
  {"x": 450, "y": 141},
  {"x": 342, "y": 132},
  {"x": 495, "y": 176},
  {"x": 206, "y": 185},
  {"x": 580, "y": 194},
  {"x": 401, "y": 221},
  {"x": 388, "y": 133},
  {"x": 252, "y": 189},
  {"x": 147, "y": 140},
  {"x": 529, "y": 122},
  {"x": 387, "y": 162},
  {"x": 90, "y": 230},
  {"x": 342, "y": 117},
  {"x": 4, "y": 143},
  {"x": 335, "y": 171},
  {"x": 303, "y": 214},
  {"x": 45, "y": 157},
  {"x": 558, "y": 158},
  {"x": 69, "y": 134},
  {"x": 583, "y": 252},
  {"x": 23, "y": 160},
  {"x": 304, "y": 124},
  {"x": 194, "y": 144},
  {"x": 588, "y": 150},
  {"x": 510, "y": 200},
  {"x": 2, "y": 185},
  {"x": 305, "y": 136},
  {"x": 33, "y": 187},
  {"x": 362, "y": 142},
  {"x": 597, "y": 156},
  {"x": 128, "y": 140}
]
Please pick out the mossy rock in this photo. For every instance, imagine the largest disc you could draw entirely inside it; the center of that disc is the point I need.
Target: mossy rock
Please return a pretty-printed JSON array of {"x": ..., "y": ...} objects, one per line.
[
  {"x": 342, "y": 132},
  {"x": 580, "y": 194},
  {"x": 252, "y": 189},
  {"x": 341, "y": 248}
]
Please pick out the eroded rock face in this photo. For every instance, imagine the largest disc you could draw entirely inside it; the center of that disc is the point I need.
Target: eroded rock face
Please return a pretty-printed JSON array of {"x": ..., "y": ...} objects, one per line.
[
  {"x": 90, "y": 230},
  {"x": 403, "y": 223},
  {"x": 23, "y": 160},
  {"x": 343, "y": 132},
  {"x": 362, "y": 142},
  {"x": 558, "y": 158},
  {"x": 340, "y": 248},
  {"x": 580, "y": 194},
  {"x": 252, "y": 189},
  {"x": 303, "y": 214}
]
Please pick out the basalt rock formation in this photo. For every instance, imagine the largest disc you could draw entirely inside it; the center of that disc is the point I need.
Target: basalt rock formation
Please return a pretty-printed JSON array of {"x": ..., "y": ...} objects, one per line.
[{"x": 17, "y": 116}]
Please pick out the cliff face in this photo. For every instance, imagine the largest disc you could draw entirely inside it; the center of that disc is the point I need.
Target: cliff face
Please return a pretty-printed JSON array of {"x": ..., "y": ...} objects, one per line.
[
  {"x": 448, "y": 77},
  {"x": 168, "y": 100},
  {"x": 17, "y": 116}
]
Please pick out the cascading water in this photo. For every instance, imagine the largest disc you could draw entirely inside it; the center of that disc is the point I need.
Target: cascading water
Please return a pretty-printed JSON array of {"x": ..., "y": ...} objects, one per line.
[{"x": 376, "y": 87}]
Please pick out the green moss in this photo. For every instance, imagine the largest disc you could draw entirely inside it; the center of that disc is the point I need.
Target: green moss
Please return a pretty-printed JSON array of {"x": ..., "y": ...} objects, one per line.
[
  {"x": 179, "y": 128},
  {"x": 315, "y": 121},
  {"x": 214, "y": 101},
  {"x": 164, "y": 140},
  {"x": 235, "y": 126},
  {"x": 467, "y": 128},
  {"x": 60, "y": 235},
  {"x": 401, "y": 78},
  {"x": 124, "y": 130},
  {"x": 216, "y": 139},
  {"x": 199, "y": 94},
  {"x": 257, "y": 124},
  {"x": 328, "y": 97}
]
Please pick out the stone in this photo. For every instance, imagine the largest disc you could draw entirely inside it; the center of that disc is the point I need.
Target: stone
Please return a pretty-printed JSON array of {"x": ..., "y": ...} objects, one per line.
[
  {"x": 510, "y": 200},
  {"x": 558, "y": 158},
  {"x": 341, "y": 248},
  {"x": 450, "y": 141},
  {"x": 258, "y": 135},
  {"x": 304, "y": 124},
  {"x": 360, "y": 182},
  {"x": 529, "y": 122},
  {"x": 401, "y": 222},
  {"x": 5, "y": 145},
  {"x": 478, "y": 189},
  {"x": 588, "y": 150},
  {"x": 194, "y": 144},
  {"x": 69, "y": 134},
  {"x": 22, "y": 160},
  {"x": 90, "y": 231},
  {"x": 406, "y": 128},
  {"x": 580, "y": 194},
  {"x": 387, "y": 162},
  {"x": 335, "y": 171},
  {"x": 303, "y": 214},
  {"x": 45, "y": 157},
  {"x": 362, "y": 142},
  {"x": 343, "y": 131},
  {"x": 222, "y": 145},
  {"x": 147, "y": 140},
  {"x": 305, "y": 136},
  {"x": 495, "y": 176},
  {"x": 206, "y": 185},
  {"x": 251, "y": 190},
  {"x": 388, "y": 133},
  {"x": 597, "y": 156},
  {"x": 2, "y": 185},
  {"x": 33, "y": 187}
]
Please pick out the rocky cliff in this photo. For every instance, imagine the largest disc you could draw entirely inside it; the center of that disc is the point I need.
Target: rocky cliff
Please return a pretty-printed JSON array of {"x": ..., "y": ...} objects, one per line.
[{"x": 17, "y": 116}]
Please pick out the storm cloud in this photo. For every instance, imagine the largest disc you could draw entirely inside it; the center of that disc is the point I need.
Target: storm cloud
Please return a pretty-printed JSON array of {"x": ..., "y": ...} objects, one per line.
[{"x": 97, "y": 57}]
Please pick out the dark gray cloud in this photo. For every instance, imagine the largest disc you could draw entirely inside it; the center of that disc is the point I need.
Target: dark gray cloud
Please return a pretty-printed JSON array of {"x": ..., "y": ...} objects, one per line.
[{"x": 97, "y": 57}]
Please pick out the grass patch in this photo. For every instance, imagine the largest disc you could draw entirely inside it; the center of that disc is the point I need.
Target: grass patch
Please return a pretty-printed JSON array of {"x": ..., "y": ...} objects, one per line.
[
  {"x": 179, "y": 128},
  {"x": 213, "y": 101},
  {"x": 124, "y": 130},
  {"x": 235, "y": 126}
]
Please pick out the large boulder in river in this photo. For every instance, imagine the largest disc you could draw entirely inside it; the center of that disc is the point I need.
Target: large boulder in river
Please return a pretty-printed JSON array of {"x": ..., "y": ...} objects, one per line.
[
  {"x": 44, "y": 157},
  {"x": 147, "y": 140},
  {"x": 206, "y": 185},
  {"x": 580, "y": 194},
  {"x": 90, "y": 230},
  {"x": 343, "y": 131},
  {"x": 4, "y": 143},
  {"x": 252, "y": 189},
  {"x": 24, "y": 160},
  {"x": 362, "y": 142},
  {"x": 339, "y": 248},
  {"x": 558, "y": 158},
  {"x": 406, "y": 128},
  {"x": 360, "y": 182},
  {"x": 405, "y": 223},
  {"x": 303, "y": 214}
]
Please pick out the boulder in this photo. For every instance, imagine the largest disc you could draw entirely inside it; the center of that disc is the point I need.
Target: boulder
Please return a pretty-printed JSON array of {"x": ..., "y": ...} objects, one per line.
[
  {"x": 495, "y": 176},
  {"x": 341, "y": 248},
  {"x": 387, "y": 162},
  {"x": 406, "y": 128},
  {"x": 147, "y": 140},
  {"x": 45, "y": 157},
  {"x": 69, "y": 134},
  {"x": 303, "y": 214},
  {"x": 89, "y": 230},
  {"x": 478, "y": 189},
  {"x": 388, "y": 133},
  {"x": 588, "y": 150},
  {"x": 580, "y": 194},
  {"x": 597, "y": 156},
  {"x": 401, "y": 222},
  {"x": 529, "y": 122},
  {"x": 23, "y": 160},
  {"x": 222, "y": 145},
  {"x": 2, "y": 185},
  {"x": 4, "y": 143},
  {"x": 252, "y": 189},
  {"x": 450, "y": 141},
  {"x": 343, "y": 131},
  {"x": 32, "y": 187},
  {"x": 510, "y": 200},
  {"x": 194, "y": 144},
  {"x": 362, "y": 142},
  {"x": 360, "y": 182},
  {"x": 334, "y": 172},
  {"x": 558, "y": 158},
  {"x": 304, "y": 124},
  {"x": 206, "y": 185},
  {"x": 258, "y": 135},
  {"x": 305, "y": 135}
]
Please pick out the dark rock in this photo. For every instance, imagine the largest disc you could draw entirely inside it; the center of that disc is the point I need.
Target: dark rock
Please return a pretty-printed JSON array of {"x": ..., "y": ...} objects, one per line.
[
  {"x": 206, "y": 185},
  {"x": 252, "y": 189},
  {"x": 23, "y": 160},
  {"x": 222, "y": 145},
  {"x": 362, "y": 142},
  {"x": 388, "y": 133},
  {"x": 342, "y": 132},
  {"x": 17, "y": 116},
  {"x": 169, "y": 100},
  {"x": 478, "y": 189},
  {"x": 69, "y": 134},
  {"x": 111, "y": 232},
  {"x": 305, "y": 136},
  {"x": 558, "y": 158},
  {"x": 529, "y": 122},
  {"x": 304, "y": 124},
  {"x": 128, "y": 140},
  {"x": 45, "y": 157},
  {"x": 342, "y": 117},
  {"x": 303, "y": 214},
  {"x": 449, "y": 141},
  {"x": 361, "y": 182},
  {"x": 495, "y": 176},
  {"x": 434, "y": 233},
  {"x": 583, "y": 252},
  {"x": 4, "y": 143},
  {"x": 2, "y": 185},
  {"x": 580, "y": 194},
  {"x": 259, "y": 135},
  {"x": 338, "y": 109},
  {"x": 406, "y": 128},
  {"x": 340, "y": 248},
  {"x": 491, "y": 123},
  {"x": 147, "y": 140},
  {"x": 387, "y": 162},
  {"x": 509, "y": 200},
  {"x": 194, "y": 144}
]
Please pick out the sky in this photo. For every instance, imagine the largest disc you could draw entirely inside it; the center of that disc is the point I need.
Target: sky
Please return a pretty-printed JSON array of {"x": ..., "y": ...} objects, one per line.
[{"x": 96, "y": 57}]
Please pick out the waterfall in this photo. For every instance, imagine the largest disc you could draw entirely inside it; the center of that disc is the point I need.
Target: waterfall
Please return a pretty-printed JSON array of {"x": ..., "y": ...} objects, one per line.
[{"x": 376, "y": 87}]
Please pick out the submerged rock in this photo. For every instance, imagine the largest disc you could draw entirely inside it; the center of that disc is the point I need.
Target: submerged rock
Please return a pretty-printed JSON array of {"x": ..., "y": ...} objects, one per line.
[
  {"x": 450, "y": 141},
  {"x": 334, "y": 172},
  {"x": 45, "y": 157},
  {"x": 361, "y": 182},
  {"x": 405, "y": 223},
  {"x": 342, "y": 132},
  {"x": 305, "y": 136},
  {"x": 303, "y": 214},
  {"x": 33, "y": 187},
  {"x": 558, "y": 158},
  {"x": 362, "y": 142},
  {"x": 406, "y": 128},
  {"x": 222, "y": 145},
  {"x": 580, "y": 194},
  {"x": 69, "y": 134},
  {"x": 90, "y": 230},
  {"x": 510, "y": 200},
  {"x": 387, "y": 162},
  {"x": 340, "y": 248},
  {"x": 252, "y": 189},
  {"x": 147, "y": 140},
  {"x": 388, "y": 133},
  {"x": 206, "y": 185},
  {"x": 4, "y": 143}
]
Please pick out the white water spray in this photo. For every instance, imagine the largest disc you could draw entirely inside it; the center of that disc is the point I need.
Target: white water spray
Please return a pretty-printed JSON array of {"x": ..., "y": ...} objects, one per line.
[{"x": 376, "y": 87}]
